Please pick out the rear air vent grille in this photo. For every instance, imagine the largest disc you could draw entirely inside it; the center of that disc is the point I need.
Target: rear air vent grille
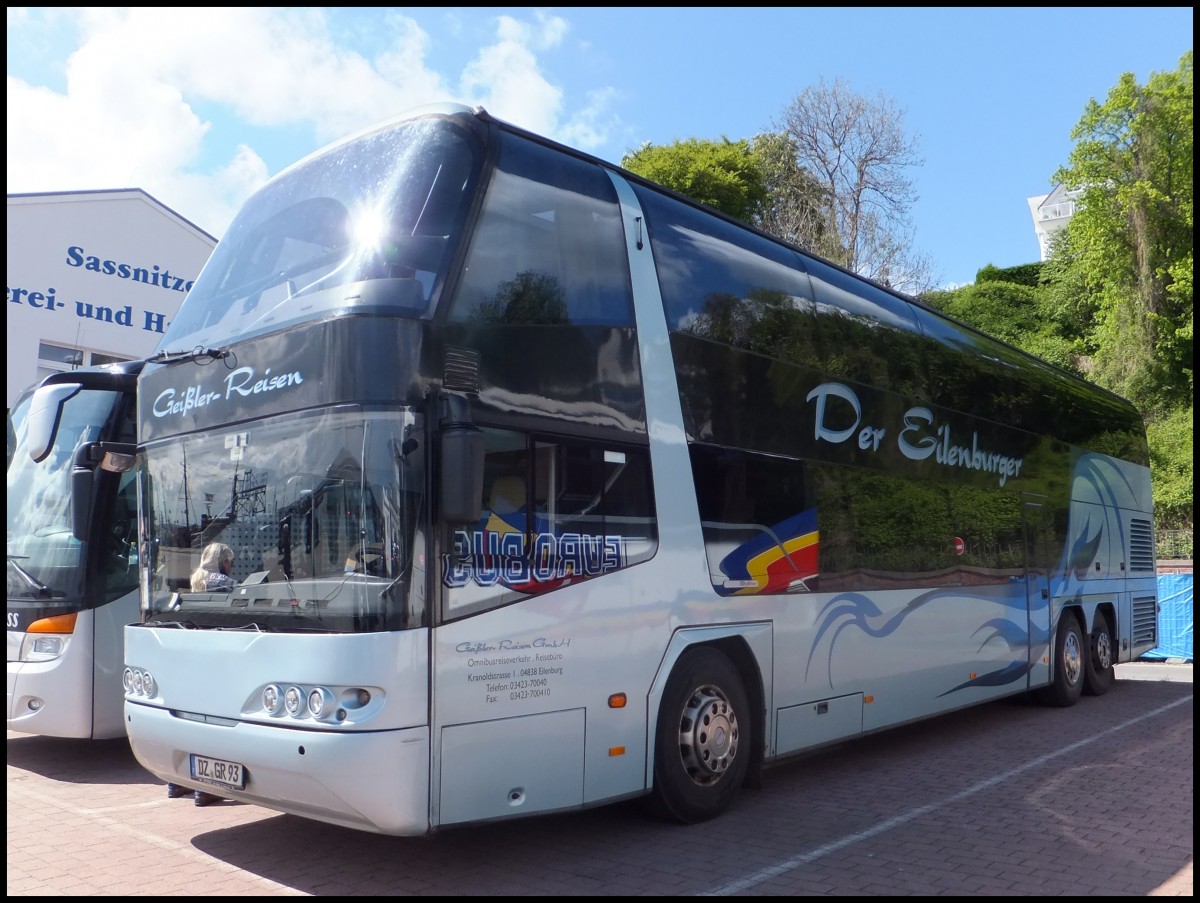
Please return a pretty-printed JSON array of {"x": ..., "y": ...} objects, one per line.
[
  {"x": 1141, "y": 545},
  {"x": 1145, "y": 621}
]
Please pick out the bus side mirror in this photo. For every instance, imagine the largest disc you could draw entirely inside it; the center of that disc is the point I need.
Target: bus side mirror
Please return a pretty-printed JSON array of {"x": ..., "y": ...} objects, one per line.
[
  {"x": 461, "y": 473},
  {"x": 45, "y": 412},
  {"x": 82, "y": 478},
  {"x": 112, "y": 457}
]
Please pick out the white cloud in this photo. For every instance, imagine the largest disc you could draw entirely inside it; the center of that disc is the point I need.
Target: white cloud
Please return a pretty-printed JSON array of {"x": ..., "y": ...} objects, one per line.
[{"x": 147, "y": 89}]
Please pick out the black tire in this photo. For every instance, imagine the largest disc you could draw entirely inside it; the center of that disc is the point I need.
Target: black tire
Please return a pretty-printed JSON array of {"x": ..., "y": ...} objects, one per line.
[
  {"x": 703, "y": 738},
  {"x": 1070, "y": 655},
  {"x": 1100, "y": 670}
]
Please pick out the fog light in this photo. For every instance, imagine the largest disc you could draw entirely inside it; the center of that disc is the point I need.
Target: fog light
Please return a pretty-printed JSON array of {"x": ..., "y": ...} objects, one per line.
[
  {"x": 293, "y": 699},
  {"x": 34, "y": 704},
  {"x": 320, "y": 702},
  {"x": 127, "y": 680},
  {"x": 271, "y": 699}
]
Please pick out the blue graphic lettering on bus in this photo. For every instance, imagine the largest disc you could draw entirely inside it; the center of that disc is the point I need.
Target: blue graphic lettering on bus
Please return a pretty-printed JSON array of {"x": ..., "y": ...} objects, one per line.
[{"x": 496, "y": 555}]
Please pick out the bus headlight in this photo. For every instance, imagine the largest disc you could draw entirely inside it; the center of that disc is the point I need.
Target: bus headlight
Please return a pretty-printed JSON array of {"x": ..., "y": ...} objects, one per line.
[
  {"x": 293, "y": 699},
  {"x": 139, "y": 683},
  {"x": 46, "y": 638},
  {"x": 272, "y": 699},
  {"x": 42, "y": 647},
  {"x": 320, "y": 703}
]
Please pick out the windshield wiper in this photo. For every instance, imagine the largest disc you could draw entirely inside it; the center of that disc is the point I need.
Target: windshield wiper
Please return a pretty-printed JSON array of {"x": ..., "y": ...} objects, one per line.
[
  {"x": 194, "y": 354},
  {"x": 36, "y": 588},
  {"x": 156, "y": 621}
]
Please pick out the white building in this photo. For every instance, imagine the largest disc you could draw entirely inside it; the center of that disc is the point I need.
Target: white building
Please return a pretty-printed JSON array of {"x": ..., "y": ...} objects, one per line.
[
  {"x": 1050, "y": 213},
  {"x": 93, "y": 277}
]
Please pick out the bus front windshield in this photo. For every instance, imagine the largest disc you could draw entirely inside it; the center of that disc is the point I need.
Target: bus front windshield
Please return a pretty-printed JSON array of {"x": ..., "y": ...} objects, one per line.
[
  {"x": 365, "y": 225},
  {"x": 44, "y": 558},
  {"x": 309, "y": 523}
]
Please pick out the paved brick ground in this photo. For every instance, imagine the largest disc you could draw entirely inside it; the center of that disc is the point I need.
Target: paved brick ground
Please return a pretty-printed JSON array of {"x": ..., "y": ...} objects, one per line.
[{"x": 1009, "y": 799}]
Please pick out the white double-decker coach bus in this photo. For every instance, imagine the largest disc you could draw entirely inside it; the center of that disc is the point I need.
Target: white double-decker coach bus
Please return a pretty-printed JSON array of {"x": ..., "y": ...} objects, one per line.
[
  {"x": 72, "y": 558},
  {"x": 547, "y": 487}
]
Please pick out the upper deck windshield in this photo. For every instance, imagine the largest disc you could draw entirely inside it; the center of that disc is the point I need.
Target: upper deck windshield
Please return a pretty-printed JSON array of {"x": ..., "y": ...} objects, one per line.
[
  {"x": 367, "y": 224},
  {"x": 321, "y": 514},
  {"x": 44, "y": 558}
]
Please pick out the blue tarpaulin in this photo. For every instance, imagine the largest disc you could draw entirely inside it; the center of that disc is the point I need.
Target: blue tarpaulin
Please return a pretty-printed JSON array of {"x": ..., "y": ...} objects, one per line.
[{"x": 1174, "y": 618}]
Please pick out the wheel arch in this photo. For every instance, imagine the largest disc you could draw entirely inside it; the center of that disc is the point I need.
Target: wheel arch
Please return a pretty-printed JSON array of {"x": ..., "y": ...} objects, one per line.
[
  {"x": 749, "y": 648},
  {"x": 1085, "y": 609}
]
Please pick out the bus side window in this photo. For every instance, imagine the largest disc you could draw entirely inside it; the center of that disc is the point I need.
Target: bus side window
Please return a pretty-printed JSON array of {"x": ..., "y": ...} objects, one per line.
[
  {"x": 555, "y": 512},
  {"x": 549, "y": 247}
]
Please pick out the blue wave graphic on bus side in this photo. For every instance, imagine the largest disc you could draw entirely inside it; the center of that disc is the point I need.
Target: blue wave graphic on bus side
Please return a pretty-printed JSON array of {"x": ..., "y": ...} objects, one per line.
[
  {"x": 1113, "y": 491},
  {"x": 1083, "y": 550},
  {"x": 1010, "y": 673},
  {"x": 848, "y": 610}
]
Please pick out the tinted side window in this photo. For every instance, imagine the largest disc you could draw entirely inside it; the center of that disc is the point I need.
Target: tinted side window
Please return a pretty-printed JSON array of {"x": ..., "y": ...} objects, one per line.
[
  {"x": 880, "y": 531},
  {"x": 555, "y": 512},
  {"x": 728, "y": 284},
  {"x": 549, "y": 247},
  {"x": 759, "y": 519},
  {"x": 780, "y": 525},
  {"x": 867, "y": 334}
]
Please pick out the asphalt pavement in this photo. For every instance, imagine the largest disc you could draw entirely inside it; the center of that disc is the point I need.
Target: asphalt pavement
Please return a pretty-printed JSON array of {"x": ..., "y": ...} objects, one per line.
[{"x": 1005, "y": 799}]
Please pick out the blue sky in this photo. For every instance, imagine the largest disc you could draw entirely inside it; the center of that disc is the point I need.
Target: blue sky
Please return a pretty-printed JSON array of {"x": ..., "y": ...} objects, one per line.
[{"x": 199, "y": 106}]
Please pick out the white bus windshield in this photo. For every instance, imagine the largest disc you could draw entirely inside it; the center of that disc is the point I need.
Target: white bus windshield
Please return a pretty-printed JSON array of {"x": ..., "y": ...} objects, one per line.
[
  {"x": 43, "y": 556},
  {"x": 318, "y": 515}
]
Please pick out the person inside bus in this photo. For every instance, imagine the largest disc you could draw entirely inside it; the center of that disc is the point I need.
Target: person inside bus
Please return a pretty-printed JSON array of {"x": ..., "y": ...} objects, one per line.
[{"x": 216, "y": 569}]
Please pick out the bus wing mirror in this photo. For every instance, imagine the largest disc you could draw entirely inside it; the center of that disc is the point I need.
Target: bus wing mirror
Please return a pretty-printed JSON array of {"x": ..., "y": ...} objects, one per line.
[
  {"x": 461, "y": 475},
  {"x": 82, "y": 478},
  {"x": 45, "y": 413}
]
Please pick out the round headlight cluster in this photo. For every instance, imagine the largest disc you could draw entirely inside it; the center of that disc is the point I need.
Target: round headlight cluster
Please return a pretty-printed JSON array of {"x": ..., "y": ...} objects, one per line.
[
  {"x": 293, "y": 699},
  {"x": 139, "y": 682},
  {"x": 318, "y": 703}
]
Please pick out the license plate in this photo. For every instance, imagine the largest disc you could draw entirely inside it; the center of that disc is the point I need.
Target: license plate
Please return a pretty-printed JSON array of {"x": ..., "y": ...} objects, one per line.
[{"x": 218, "y": 771}]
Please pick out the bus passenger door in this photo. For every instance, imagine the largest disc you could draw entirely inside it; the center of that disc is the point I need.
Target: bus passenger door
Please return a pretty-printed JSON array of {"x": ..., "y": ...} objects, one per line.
[{"x": 1041, "y": 554}]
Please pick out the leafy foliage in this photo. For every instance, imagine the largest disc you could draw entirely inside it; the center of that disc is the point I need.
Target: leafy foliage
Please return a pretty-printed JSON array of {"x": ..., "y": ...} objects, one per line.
[
  {"x": 1025, "y": 274},
  {"x": 1171, "y": 440},
  {"x": 1012, "y": 312},
  {"x": 1127, "y": 251},
  {"x": 798, "y": 208},
  {"x": 723, "y": 174}
]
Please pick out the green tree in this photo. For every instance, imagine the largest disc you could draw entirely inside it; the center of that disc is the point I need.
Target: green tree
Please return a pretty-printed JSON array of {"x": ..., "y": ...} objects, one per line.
[
  {"x": 1013, "y": 312},
  {"x": 723, "y": 174},
  {"x": 797, "y": 208},
  {"x": 1171, "y": 440},
  {"x": 1123, "y": 265}
]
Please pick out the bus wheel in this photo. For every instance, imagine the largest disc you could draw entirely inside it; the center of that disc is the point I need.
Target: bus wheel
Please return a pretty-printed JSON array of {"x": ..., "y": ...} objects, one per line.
[
  {"x": 1069, "y": 655},
  {"x": 702, "y": 744},
  {"x": 1099, "y": 671}
]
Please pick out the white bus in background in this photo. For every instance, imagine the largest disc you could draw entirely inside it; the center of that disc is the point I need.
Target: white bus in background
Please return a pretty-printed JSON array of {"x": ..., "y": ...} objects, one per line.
[
  {"x": 548, "y": 487},
  {"x": 72, "y": 560}
]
